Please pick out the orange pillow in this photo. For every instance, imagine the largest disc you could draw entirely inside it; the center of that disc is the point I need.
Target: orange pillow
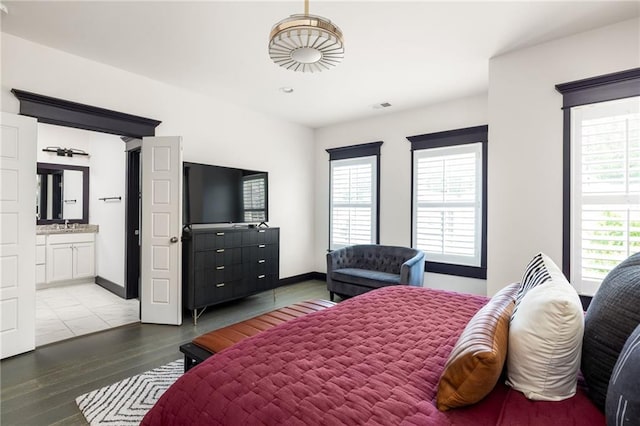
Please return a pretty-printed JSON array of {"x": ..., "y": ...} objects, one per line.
[{"x": 476, "y": 361}]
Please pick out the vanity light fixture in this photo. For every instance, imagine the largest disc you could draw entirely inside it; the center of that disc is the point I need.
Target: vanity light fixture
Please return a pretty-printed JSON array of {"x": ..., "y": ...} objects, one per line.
[
  {"x": 306, "y": 43},
  {"x": 65, "y": 152}
]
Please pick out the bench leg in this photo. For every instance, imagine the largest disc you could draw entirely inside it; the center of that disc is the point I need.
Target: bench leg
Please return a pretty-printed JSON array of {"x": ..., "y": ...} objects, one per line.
[
  {"x": 188, "y": 363},
  {"x": 331, "y": 294}
]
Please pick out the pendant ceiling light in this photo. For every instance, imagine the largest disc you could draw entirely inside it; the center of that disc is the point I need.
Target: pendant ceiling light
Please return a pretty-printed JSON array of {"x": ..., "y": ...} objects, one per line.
[{"x": 306, "y": 43}]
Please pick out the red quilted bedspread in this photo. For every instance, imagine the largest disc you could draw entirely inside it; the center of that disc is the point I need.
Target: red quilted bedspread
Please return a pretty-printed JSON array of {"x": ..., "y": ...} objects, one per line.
[{"x": 373, "y": 359}]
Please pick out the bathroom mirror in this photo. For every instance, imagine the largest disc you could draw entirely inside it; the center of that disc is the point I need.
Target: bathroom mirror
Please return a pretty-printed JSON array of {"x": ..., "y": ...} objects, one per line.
[{"x": 62, "y": 193}]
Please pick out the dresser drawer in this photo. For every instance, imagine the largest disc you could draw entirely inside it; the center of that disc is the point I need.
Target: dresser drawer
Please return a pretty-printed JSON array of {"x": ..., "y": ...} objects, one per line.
[
  {"x": 260, "y": 236},
  {"x": 212, "y": 292},
  {"x": 219, "y": 274},
  {"x": 217, "y": 239},
  {"x": 218, "y": 257},
  {"x": 263, "y": 281},
  {"x": 259, "y": 252}
]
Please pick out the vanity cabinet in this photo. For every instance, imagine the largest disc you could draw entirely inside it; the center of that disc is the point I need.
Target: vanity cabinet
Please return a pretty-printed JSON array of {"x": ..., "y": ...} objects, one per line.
[{"x": 70, "y": 256}]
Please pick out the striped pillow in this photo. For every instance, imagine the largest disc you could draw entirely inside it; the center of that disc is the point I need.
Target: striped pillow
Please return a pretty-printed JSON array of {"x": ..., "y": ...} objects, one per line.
[{"x": 536, "y": 273}]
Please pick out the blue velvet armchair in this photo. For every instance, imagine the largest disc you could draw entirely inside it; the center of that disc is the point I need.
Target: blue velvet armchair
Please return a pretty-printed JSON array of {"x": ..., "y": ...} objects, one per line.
[{"x": 357, "y": 269}]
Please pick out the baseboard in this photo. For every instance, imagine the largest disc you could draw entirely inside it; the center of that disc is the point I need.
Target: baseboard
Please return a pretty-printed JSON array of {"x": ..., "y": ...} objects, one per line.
[
  {"x": 111, "y": 286},
  {"x": 303, "y": 277}
]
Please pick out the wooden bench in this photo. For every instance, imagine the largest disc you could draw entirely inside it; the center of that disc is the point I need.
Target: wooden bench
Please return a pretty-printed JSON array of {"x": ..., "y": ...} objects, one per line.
[{"x": 203, "y": 346}]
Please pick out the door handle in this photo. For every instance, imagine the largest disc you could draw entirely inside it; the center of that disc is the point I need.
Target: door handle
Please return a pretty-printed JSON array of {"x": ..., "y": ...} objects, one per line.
[{"x": 174, "y": 239}]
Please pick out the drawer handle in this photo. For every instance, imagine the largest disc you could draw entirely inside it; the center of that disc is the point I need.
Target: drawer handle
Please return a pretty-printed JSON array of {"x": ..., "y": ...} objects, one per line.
[
  {"x": 261, "y": 245},
  {"x": 219, "y": 268},
  {"x": 220, "y": 234},
  {"x": 261, "y": 276},
  {"x": 220, "y": 251},
  {"x": 261, "y": 261},
  {"x": 262, "y": 230},
  {"x": 220, "y": 285}
]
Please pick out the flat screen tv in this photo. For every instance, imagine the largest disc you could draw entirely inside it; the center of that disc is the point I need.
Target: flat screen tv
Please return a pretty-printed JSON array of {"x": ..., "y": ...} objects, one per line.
[{"x": 215, "y": 194}]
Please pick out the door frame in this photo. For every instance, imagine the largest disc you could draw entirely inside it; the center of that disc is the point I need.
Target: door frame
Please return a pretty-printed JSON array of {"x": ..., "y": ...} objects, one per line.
[
  {"x": 132, "y": 224},
  {"x": 61, "y": 112}
]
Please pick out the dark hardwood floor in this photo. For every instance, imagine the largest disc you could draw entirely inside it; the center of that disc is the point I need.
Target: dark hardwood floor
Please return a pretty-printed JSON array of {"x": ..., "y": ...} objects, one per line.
[{"x": 40, "y": 387}]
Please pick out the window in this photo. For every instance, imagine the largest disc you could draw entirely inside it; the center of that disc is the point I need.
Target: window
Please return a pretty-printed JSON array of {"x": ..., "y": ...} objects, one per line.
[
  {"x": 601, "y": 176},
  {"x": 448, "y": 200},
  {"x": 254, "y": 197},
  {"x": 354, "y": 195}
]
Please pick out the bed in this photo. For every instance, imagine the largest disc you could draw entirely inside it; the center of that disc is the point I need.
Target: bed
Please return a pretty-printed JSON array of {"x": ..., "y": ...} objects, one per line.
[{"x": 373, "y": 359}]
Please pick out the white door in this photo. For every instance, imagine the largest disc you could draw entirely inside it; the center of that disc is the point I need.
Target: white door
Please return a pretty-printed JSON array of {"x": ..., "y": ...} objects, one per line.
[
  {"x": 59, "y": 262},
  {"x": 84, "y": 260},
  {"x": 17, "y": 234},
  {"x": 161, "y": 251}
]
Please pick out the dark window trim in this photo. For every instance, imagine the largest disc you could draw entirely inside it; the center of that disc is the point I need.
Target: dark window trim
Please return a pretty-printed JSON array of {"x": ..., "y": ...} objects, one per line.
[
  {"x": 356, "y": 151},
  {"x": 448, "y": 138},
  {"x": 608, "y": 87},
  {"x": 80, "y": 116}
]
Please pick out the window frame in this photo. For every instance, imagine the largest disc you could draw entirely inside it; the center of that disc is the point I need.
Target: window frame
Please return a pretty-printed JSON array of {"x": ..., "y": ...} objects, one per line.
[
  {"x": 351, "y": 152},
  {"x": 450, "y": 138},
  {"x": 608, "y": 87}
]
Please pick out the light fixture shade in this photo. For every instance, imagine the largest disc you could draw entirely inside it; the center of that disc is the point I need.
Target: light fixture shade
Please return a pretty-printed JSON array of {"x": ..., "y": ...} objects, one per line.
[{"x": 306, "y": 43}]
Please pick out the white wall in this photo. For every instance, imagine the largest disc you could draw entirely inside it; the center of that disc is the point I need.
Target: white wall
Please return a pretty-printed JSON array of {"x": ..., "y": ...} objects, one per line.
[
  {"x": 107, "y": 168},
  {"x": 213, "y": 131},
  {"x": 395, "y": 172},
  {"x": 107, "y": 172},
  {"x": 525, "y": 141}
]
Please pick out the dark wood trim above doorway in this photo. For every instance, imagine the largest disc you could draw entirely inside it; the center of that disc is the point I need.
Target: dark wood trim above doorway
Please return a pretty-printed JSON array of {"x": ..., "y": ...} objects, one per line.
[
  {"x": 49, "y": 110},
  {"x": 80, "y": 116}
]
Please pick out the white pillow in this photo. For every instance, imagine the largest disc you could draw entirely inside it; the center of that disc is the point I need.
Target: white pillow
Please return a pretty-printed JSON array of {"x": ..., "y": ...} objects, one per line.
[{"x": 545, "y": 340}]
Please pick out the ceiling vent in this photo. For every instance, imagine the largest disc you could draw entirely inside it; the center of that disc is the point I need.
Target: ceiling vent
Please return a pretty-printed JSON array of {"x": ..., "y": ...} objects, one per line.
[{"x": 382, "y": 105}]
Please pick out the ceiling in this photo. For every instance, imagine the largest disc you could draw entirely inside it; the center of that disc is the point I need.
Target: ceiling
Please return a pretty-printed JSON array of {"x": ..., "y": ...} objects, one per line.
[{"x": 409, "y": 54}]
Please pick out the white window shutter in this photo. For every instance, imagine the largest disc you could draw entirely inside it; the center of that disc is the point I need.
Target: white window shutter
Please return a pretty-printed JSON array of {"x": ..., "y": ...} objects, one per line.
[
  {"x": 254, "y": 199},
  {"x": 447, "y": 203},
  {"x": 353, "y": 201},
  {"x": 605, "y": 187}
]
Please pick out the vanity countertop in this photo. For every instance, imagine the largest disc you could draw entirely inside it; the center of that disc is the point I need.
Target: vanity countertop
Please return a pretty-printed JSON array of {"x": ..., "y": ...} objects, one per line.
[{"x": 75, "y": 228}]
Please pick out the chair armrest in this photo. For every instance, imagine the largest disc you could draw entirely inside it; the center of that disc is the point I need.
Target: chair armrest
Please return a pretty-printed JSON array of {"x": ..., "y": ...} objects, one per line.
[
  {"x": 336, "y": 259},
  {"x": 412, "y": 271},
  {"x": 332, "y": 261}
]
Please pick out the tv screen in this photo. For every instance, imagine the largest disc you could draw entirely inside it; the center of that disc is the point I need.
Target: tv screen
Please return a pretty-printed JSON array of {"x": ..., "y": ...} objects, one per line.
[{"x": 215, "y": 194}]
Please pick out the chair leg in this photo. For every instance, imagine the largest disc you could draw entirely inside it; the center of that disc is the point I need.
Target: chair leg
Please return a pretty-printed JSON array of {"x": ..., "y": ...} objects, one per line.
[{"x": 331, "y": 294}]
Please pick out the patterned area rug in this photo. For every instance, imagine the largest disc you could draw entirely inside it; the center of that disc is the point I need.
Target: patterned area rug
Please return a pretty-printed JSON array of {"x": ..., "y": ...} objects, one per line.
[{"x": 126, "y": 402}]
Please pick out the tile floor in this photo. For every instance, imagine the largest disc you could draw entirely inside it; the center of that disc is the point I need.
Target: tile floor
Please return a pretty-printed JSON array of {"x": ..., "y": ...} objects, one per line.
[{"x": 67, "y": 311}]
